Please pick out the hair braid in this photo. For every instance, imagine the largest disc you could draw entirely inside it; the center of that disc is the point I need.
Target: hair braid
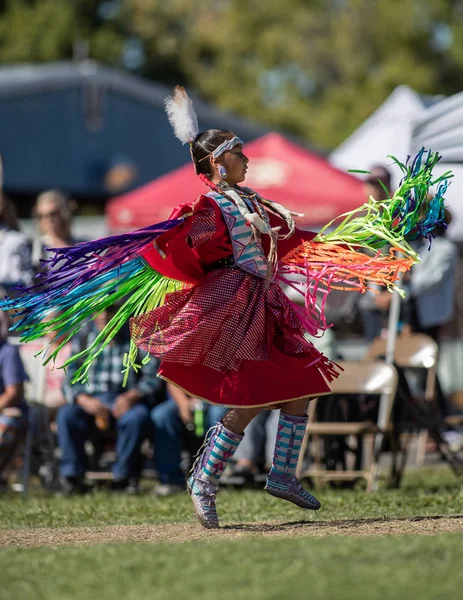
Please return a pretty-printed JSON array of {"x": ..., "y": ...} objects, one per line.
[{"x": 205, "y": 179}]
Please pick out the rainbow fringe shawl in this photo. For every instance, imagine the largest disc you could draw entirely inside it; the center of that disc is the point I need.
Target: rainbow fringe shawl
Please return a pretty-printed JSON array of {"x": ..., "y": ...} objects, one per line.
[{"x": 346, "y": 253}]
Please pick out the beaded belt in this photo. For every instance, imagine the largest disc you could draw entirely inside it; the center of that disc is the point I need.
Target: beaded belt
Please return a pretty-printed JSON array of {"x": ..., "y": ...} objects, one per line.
[{"x": 226, "y": 261}]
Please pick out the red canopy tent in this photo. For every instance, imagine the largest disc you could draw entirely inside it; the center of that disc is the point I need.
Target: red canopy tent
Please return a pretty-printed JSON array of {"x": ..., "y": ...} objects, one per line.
[{"x": 278, "y": 169}]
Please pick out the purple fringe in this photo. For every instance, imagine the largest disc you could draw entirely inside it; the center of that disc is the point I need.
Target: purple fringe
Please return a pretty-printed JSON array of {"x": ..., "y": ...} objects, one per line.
[
  {"x": 77, "y": 264},
  {"x": 133, "y": 240}
]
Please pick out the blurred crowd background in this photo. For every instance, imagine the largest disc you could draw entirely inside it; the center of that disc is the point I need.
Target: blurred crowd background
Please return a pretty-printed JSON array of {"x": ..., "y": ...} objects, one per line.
[{"x": 314, "y": 88}]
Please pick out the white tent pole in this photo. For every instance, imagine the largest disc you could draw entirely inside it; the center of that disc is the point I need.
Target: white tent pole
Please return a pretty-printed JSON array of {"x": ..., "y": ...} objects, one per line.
[
  {"x": 392, "y": 327},
  {"x": 392, "y": 330}
]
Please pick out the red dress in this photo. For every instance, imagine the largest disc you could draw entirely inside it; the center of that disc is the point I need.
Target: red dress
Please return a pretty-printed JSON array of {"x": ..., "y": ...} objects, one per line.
[{"x": 226, "y": 338}]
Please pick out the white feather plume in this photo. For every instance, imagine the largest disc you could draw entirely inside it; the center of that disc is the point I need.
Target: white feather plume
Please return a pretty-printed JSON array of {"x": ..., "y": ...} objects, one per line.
[{"x": 181, "y": 115}]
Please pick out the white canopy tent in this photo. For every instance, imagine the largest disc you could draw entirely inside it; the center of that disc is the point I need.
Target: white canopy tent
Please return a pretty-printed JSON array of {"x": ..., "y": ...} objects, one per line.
[
  {"x": 402, "y": 125},
  {"x": 386, "y": 132},
  {"x": 440, "y": 127}
]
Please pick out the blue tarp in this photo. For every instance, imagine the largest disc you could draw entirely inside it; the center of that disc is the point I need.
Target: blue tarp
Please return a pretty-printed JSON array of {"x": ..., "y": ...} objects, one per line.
[{"x": 67, "y": 124}]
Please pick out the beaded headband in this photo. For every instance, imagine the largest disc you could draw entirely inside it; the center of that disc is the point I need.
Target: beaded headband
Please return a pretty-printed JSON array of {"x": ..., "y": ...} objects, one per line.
[
  {"x": 227, "y": 145},
  {"x": 224, "y": 147}
]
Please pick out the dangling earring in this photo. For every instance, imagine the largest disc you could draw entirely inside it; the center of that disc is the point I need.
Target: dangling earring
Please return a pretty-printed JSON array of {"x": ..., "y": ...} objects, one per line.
[{"x": 222, "y": 171}]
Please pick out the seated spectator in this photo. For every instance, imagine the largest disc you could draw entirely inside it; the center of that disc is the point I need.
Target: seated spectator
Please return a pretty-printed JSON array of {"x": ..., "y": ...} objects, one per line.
[
  {"x": 170, "y": 419},
  {"x": 53, "y": 214},
  {"x": 103, "y": 402},
  {"x": 13, "y": 408}
]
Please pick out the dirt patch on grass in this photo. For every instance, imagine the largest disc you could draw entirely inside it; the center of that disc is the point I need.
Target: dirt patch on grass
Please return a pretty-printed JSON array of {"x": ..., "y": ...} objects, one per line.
[{"x": 185, "y": 532}]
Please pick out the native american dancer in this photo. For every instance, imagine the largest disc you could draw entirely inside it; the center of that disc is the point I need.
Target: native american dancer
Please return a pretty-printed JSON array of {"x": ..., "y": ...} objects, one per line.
[{"x": 203, "y": 292}]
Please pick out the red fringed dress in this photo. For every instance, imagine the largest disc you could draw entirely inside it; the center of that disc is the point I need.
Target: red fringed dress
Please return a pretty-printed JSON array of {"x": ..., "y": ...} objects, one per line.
[{"x": 227, "y": 338}]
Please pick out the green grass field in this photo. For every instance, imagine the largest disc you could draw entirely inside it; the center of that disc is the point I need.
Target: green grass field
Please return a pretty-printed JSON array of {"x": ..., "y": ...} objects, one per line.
[{"x": 255, "y": 565}]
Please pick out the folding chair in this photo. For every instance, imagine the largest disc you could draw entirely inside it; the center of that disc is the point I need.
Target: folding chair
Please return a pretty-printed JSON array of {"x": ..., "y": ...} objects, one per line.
[
  {"x": 414, "y": 350},
  {"x": 358, "y": 377}
]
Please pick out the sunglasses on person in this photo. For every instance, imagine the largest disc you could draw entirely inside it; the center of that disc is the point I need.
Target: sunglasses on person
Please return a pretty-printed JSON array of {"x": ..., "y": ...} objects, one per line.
[{"x": 48, "y": 215}]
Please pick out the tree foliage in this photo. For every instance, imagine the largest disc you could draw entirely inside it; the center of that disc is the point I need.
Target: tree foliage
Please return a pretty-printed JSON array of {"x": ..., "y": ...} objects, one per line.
[{"x": 317, "y": 68}]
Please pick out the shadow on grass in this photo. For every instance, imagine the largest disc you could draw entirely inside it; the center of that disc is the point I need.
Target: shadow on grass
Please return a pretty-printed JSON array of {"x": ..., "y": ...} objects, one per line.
[{"x": 340, "y": 524}]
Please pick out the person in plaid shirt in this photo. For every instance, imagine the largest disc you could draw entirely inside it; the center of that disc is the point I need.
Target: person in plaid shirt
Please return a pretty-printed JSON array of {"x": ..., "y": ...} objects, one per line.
[{"x": 104, "y": 402}]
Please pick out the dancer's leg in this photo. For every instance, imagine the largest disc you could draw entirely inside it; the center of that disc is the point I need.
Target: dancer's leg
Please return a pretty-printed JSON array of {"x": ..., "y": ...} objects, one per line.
[
  {"x": 296, "y": 407},
  {"x": 220, "y": 445},
  {"x": 281, "y": 480},
  {"x": 237, "y": 419}
]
